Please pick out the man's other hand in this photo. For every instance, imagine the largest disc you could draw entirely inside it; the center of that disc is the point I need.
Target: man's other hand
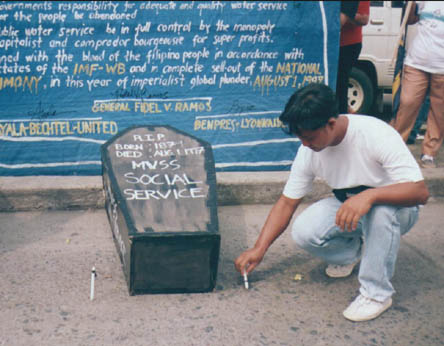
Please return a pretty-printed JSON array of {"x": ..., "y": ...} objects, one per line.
[{"x": 352, "y": 210}]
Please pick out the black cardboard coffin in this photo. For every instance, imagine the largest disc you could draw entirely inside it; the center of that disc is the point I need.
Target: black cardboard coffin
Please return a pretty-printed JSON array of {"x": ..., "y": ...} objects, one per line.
[{"x": 160, "y": 189}]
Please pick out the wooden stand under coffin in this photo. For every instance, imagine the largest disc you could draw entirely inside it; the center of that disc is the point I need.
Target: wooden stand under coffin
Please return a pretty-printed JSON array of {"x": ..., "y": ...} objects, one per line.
[{"x": 160, "y": 186}]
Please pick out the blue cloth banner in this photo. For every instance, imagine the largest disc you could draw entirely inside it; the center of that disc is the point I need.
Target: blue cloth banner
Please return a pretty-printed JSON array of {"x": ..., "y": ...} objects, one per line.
[{"x": 73, "y": 74}]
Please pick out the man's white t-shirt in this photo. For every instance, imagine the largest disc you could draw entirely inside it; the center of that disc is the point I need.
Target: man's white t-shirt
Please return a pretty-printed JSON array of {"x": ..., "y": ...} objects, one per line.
[
  {"x": 426, "y": 52},
  {"x": 372, "y": 153}
]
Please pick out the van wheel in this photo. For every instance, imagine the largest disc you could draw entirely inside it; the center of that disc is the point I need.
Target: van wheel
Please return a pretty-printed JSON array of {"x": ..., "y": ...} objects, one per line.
[{"x": 360, "y": 92}]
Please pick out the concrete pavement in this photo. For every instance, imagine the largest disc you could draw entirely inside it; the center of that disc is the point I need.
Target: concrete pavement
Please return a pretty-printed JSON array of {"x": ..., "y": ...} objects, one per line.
[
  {"x": 47, "y": 252},
  {"x": 46, "y": 259}
]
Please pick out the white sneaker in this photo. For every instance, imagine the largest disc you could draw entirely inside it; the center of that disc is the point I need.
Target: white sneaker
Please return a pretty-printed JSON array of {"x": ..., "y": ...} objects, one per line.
[
  {"x": 364, "y": 309},
  {"x": 427, "y": 161},
  {"x": 340, "y": 271}
]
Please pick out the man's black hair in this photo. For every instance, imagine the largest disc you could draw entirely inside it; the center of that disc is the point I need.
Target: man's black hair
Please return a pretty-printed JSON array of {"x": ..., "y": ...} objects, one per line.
[{"x": 309, "y": 108}]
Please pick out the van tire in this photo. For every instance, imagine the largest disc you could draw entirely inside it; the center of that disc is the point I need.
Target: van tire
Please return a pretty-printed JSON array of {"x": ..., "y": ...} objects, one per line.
[{"x": 360, "y": 92}]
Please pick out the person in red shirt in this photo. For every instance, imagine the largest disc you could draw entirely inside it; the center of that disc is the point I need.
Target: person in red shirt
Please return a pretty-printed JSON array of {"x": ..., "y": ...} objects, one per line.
[{"x": 354, "y": 15}]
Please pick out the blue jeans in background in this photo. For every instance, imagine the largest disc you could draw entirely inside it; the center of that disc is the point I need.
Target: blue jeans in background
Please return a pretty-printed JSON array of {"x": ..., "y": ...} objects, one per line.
[{"x": 376, "y": 241}]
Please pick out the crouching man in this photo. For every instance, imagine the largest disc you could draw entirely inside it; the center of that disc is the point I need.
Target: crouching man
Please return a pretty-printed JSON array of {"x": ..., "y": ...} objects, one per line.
[{"x": 377, "y": 188}]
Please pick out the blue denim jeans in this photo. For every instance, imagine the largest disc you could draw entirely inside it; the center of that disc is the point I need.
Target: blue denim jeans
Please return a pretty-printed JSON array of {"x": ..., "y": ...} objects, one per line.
[{"x": 376, "y": 241}]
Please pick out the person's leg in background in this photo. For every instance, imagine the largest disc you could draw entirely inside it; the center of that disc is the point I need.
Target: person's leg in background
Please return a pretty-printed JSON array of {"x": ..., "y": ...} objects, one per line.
[
  {"x": 434, "y": 135},
  {"x": 414, "y": 86},
  {"x": 348, "y": 55},
  {"x": 420, "y": 120}
]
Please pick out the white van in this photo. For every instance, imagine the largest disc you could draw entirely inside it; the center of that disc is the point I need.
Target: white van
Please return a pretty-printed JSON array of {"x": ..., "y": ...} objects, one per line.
[{"x": 372, "y": 77}]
